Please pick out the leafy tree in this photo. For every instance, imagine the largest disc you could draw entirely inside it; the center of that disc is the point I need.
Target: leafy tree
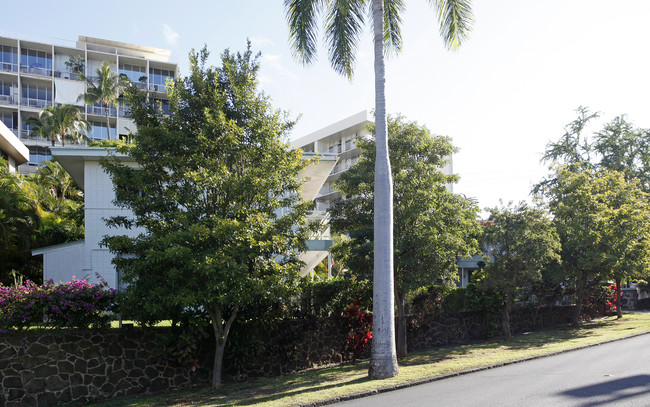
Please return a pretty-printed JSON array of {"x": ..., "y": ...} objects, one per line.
[
  {"x": 105, "y": 89},
  {"x": 603, "y": 222},
  {"x": 618, "y": 146},
  {"x": 59, "y": 123},
  {"x": 34, "y": 212},
  {"x": 520, "y": 242},
  {"x": 344, "y": 21},
  {"x": 433, "y": 226},
  {"x": 217, "y": 218}
]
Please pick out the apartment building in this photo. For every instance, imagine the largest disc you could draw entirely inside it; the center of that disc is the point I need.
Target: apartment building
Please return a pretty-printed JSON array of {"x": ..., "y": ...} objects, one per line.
[
  {"x": 12, "y": 150},
  {"x": 34, "y": 74},
  {"x": 341, "y": 138}
]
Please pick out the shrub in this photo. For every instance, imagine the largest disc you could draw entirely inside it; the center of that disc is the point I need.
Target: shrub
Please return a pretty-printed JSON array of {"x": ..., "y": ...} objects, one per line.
[
  {"x": 330, "y": 297},
  {"x": 360, "y": 324},
  {"x": 77, "y": 304}
]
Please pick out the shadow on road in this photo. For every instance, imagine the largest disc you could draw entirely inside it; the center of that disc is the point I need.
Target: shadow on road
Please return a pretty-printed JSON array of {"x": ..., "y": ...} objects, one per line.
[{"x": 611, "y": 391}]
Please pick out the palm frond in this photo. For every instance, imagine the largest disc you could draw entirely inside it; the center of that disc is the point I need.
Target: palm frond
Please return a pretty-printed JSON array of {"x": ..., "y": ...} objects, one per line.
[
  {"x": 455, "y": 18},
  {"x": 343, "y": 27},
  {"x": 302, "y": 16},
  {"x": 393, "y": 10}
]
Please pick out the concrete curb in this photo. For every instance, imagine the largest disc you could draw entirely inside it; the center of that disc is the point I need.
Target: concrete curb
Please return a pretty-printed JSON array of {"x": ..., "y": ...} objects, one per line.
[{"x": 461, "y": 373}]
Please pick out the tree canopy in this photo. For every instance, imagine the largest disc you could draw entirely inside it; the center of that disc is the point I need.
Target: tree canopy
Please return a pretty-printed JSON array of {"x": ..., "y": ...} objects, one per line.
[
  {"x": 42, "y": 209},
  {"x": 432, "y": 226},
  {"x": 519, "y": 243},
  {"x": 217, "y": 217}
]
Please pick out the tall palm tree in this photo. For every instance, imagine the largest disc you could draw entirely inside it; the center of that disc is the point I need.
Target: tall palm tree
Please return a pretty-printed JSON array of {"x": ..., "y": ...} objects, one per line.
[
  {"x": 105, "y": 90},
  {"x": 344, "y": 20},
  {"x": 59, "y": 122}
]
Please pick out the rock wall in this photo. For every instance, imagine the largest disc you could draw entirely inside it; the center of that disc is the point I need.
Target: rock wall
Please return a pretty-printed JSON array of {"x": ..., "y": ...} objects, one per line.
[
  {"x": 466, "y": 327},
  {"x": 64, "y": 367},
  {"x": 59, "y": 368}
]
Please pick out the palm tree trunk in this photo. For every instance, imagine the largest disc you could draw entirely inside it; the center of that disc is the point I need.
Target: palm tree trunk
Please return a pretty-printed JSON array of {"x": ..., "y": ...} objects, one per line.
[
  {"x": 108, "y": 121},
  {"x": 383, "y": 356}
]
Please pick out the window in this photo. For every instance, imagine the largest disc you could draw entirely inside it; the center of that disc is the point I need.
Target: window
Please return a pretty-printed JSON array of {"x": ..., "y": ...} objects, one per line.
[
  {"x": 36, "y": 62},
  {"x": 36, "y": 95},
  {"x": 98, "y": 131},
  {"x": 38, "y": 154},
  {"x": 162, "y": 104},
  {"x": 158, "y": 77},
  {"x": 10, "y": 119},
  {"x": 136, "y": 74},
  {"x": 8, "y": 58}
]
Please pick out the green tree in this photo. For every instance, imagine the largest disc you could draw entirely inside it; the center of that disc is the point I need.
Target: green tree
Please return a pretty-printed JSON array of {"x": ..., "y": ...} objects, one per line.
[
  {"x": 344, "y": 21},
  {"x": 105, "y": 89},
  {"x": 432, "y": 226},
  {"x": 519, "y": 242},
  {"x": 217, "y": 216},
  {"x": 59, "y": 123},
  {"x": 603, "y": 224},
  {"x": 35, "y": 213},
  {"x": 618, "y": 146}
]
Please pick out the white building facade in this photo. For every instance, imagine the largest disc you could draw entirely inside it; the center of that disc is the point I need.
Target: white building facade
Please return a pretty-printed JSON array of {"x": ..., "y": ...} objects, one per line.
[
  {"x": 35, "y": 74},
  {"x": 86, "y": 259}
]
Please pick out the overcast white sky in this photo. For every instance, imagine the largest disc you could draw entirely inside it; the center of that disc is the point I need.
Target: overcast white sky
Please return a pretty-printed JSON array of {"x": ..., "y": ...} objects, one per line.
[{"x": 502, "y": 97}]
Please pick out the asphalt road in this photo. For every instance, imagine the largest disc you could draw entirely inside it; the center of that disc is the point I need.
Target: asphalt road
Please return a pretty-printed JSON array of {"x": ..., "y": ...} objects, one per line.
[{"x": 613, "y": 374}]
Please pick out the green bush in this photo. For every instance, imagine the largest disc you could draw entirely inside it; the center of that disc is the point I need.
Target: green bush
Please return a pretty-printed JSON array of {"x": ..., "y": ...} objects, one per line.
[{"x": 330, "y": 297}]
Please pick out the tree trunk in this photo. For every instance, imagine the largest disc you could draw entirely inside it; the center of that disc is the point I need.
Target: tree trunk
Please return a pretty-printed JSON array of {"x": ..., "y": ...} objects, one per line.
[
  {"x": 108, "y": 121},
  {"x": 582, "y": 285},
  {"x": 619, "y": 311},
  {"x": 221, "y": 331},
  {"x": 383, "y": 358},
  {"x": 506, "y": 317},
  {"x": 402, "y": 345}
]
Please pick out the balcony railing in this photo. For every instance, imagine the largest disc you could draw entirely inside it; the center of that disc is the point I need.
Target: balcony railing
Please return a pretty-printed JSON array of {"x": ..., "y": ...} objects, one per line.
[
  {"x": 139, "y": 85},
  {"x": 123, "y": 111},
  {"x": 67, "y": 75},
  {"x": 100, "y": 111},
  {"x": 35, "y": 102},
  {"x": 36, "y": 70},
  {"x": 8, "y": 67},
  {"x": 8, "y": 100},
  {"x": 157, "y": 87}
]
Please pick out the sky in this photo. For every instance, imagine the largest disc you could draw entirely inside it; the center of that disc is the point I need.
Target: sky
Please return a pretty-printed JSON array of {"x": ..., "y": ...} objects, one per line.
[{"x": 502, "y": 97}]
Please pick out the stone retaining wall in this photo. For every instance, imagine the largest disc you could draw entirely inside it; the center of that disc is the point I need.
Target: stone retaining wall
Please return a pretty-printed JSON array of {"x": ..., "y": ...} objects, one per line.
[
  {"x": 64, "y": 367},
  {"x": 59, "y": 368}
]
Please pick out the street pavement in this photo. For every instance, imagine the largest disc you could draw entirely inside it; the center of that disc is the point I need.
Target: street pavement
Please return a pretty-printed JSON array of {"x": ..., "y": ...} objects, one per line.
[{"x": 612, "y": 374}]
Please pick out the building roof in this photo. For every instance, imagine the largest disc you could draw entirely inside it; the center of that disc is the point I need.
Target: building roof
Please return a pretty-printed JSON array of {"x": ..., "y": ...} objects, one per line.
[
  {"x": 355, "y": 123},
  {"x": 73, "y": 159},
  {"x": 12, "y": 145}
]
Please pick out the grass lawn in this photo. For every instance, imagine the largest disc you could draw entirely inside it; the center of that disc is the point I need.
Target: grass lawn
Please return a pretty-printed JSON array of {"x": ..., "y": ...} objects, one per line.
[{"x": 339, "y": 381}]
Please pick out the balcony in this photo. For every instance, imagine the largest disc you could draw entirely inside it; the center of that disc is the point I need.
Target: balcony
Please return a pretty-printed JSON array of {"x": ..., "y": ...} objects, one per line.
[
  {"x": 157, "y": 88},
  {"x": 67, "y": 75},
  {"x": 8, "y": 100},
  {"x": 8, "y": 67},
  {"x": 100, "y": 111},
  {"x": 124, "y": 111},
  {"x": 36, "y": 70},
  {"x": 39, "y": 103}
]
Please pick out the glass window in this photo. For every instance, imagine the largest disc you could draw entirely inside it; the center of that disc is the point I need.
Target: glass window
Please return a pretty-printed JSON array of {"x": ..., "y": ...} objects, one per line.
[
  {"x": 98, "y": 131},
  {"x": 133, "y": 72}
]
